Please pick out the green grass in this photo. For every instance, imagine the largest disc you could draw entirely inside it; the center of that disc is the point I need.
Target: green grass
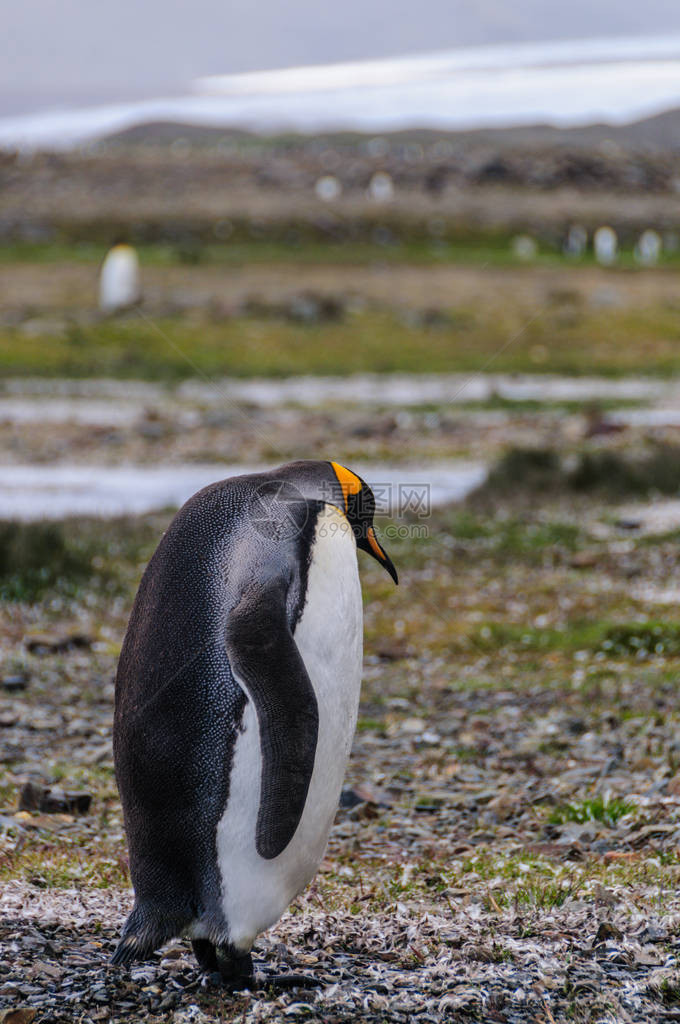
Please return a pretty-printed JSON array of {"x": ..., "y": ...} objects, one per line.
[
  {"x": 493, "y": 636},
  {"x": 640, "y": 639},
  {"x": 460, "y": 532},
  {"x": 669, "y": 990},
  {"x": 35, "y": 557},
  {"x": 609, "y": 474},
  {"x": 465, "y": 340},
  {"x": 44, "y": 558},
  {"x": 534, "y": 405},
  {"x": 48, "y": 864},
  {"x": 369, "y": 724},
  {"x": 296, "y": 250},
  {"x": 599, "y": 808},
  {"x": 513, "y": 536},
  {"x": 384, "y": 239},
  {"x": 541, "y": 895}
]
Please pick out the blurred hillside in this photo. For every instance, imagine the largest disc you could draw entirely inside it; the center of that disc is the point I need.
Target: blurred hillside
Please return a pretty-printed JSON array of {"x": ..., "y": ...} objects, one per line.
[
  {"x": 659, "y": 133},
  {"x": 193, "y": 186}
]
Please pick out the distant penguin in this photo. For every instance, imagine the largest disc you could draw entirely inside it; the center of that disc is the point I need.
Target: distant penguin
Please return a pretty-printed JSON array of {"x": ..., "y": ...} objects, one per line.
[
  {"x": 605, "y": 246},
  {"x": 119, "y": 285},
  {"x": 236, "y": 701}
]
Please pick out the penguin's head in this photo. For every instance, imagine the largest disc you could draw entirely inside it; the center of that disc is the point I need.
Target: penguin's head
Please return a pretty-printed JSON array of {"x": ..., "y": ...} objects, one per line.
[{"x": 360, "y": 508}]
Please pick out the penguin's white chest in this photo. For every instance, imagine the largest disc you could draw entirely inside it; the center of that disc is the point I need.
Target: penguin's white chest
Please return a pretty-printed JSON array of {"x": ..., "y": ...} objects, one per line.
[{"x": 329, "y": 637}]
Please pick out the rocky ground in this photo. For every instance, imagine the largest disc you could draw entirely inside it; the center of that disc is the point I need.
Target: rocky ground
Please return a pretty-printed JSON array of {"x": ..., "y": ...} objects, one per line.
[
  {"x": 508, "y": 845},
  {"x": 186, "y": 432}
]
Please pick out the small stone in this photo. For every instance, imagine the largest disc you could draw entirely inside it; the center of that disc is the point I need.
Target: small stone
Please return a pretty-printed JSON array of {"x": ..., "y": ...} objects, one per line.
[
  {"x": 52, "y": 800},
  {"x": 605, "y": 932},
  {"x": 42, "y": 643},
  {"x": 20, "y": 1015},
  {"x": 350, "y": 798},
  {"x": 191, "y": 1014},
  {"x": 41, "y": 967},
  {"x": 647, "y": 832},
  {"x": 584, "y": 560},
  {"x": 652, "y": 932},
  {"x": 15, "y": 683}
]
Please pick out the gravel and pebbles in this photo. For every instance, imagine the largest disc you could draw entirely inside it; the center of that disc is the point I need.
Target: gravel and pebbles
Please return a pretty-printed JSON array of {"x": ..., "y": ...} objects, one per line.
[
  {"x": 450, "y": 891},
  {"x": 603, "y": 961},
  {"x": 508, "y": 844}
]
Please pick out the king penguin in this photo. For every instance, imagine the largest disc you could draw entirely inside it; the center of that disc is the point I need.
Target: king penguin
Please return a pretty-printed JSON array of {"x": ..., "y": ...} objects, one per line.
[
  {"x": 236, "y": 701},
  {"x": 119, "y": 285}
]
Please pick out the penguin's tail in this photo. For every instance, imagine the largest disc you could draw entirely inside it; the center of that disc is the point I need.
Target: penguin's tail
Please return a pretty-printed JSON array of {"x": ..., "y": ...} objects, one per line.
[{"x": 145, "y": 930}]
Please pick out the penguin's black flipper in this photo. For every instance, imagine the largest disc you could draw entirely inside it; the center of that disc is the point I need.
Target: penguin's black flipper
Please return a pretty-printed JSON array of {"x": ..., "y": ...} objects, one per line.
[{"x": 267, "y": 664}]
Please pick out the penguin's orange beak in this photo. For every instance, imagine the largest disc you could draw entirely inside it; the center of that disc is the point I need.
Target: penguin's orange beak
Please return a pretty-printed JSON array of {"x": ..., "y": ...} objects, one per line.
[{"x": 371, "y": 544}]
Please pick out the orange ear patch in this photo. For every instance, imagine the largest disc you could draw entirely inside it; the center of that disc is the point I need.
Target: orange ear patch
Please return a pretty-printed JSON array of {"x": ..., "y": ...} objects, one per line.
[{"x": 349, "y": 481}]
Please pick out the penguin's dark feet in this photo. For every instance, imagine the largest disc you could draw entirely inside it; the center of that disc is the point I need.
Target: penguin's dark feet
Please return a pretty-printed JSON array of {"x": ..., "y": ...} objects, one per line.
[
  {"x": 204, "y": 951},
  {"x": 236, "y": 970},
  {"x": 225, "y": 965}
]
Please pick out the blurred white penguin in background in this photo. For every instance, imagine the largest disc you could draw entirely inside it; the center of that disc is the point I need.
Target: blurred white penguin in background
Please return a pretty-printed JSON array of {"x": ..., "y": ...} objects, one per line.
[
  {"x": 605, "y": 245},
  {"x": 576, "y": 241},
  {"x": 648, "y": 248},
  {"x": 119, "y": 284}
]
